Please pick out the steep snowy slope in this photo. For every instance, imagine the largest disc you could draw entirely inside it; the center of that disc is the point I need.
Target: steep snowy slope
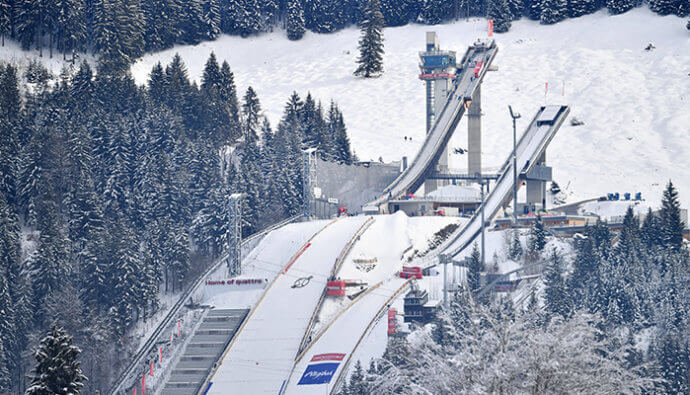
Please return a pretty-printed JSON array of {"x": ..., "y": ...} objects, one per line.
[{"x": 635, "y": 104}]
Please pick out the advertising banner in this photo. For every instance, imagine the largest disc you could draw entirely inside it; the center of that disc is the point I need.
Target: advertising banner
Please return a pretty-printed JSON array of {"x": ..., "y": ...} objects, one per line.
[{"x": 319, "y": 373}]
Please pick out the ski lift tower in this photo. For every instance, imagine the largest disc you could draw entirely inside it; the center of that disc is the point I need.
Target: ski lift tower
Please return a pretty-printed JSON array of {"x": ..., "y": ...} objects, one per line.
[
  {"x": 235, "y": 234},
  {"x": 437, "y": 71},
  {"x": 308, "y": 179}
]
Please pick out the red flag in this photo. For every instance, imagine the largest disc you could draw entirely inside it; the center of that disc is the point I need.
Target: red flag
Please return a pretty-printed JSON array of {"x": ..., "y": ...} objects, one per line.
[
  {"x": 143, "y": 384},
  {"x": 161, "y": 353},
  {"x": 171, "y": 337},
  {"x": 178, "y": 328},
  {"x": 491, "y": 27},
  {"x": 546, "y": 89},
  {"x": 134, "y": 391},
  {"x": 151, "y": 368}
]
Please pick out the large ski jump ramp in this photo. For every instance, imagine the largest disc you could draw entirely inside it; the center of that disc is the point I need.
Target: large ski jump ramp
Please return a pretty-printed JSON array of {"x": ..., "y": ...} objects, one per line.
[
  {"x": 262, "y": 355},
  {"x": 442, "y": 130}
]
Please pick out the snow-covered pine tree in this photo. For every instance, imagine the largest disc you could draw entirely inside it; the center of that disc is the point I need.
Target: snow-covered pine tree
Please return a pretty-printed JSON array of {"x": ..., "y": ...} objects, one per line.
[
  {"x": 581, "y": 7},
  {"x": 533, "y": 9},
  {"x": 619, "y": 6},
  {"x": 7, "y": 334},
  {"x": 537, "y": 236},
  {"x": 295, "y": 19},
  {"x": 10, "y": 106},
  {"x": 338, "y": 135},
  {"x": 475, "y": 267},
  {"x": 370, "y": 61},
  {"x": 517, "y": 8},
  {"x": 668, "y": 7},
  {"x": 395, "y": 12},
  {"x": 499, "y": 11},
  {"x": 228, "y": 95},
  {"x": 671, "y": 224},
  {"x": 190, "y": 22},
  {"x": 357, "y": 385},
  {"x": 515, "y": 251},
  {"x": 555, "y": 293},
  {"x": 251, "y": 110},
  {"x": 211, "y": 19},
  {"x": 628, "y": 244},
  {"x": 70, "y": 27},
  {"x": 6, "y": 12},
  {"x": 553, "y": 11},
  {"x": 58, "y": 370}
]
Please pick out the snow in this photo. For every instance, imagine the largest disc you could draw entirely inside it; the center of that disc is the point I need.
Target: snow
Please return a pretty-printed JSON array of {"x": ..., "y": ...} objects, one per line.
[
  {"x": 385, "y": 240},
  {"x": 462, "y": 193},
  {"x": 263, "y": 262},
  {"x": 613, "y": 211},
  {"x": 262, "y": 354},
  {"x": 634, "y": 103},
  {"x": 344, "y": 334}
]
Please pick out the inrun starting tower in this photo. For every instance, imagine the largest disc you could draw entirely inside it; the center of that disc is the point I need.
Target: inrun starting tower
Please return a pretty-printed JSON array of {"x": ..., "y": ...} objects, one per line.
[{"x": 438, "y": 70}]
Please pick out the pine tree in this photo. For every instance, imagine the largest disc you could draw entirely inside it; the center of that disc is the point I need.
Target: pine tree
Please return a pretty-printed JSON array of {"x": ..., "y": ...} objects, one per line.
[
  {"x": 619, "y": 6},
  {"x": 357, "y": 385},
  {"x": 295, "y": 20},
  {"x": 555, "y": 293},
  {"x": 251, "y": 109},
  {"x": 671, "y": 225},
  {"x": 396, "y": 12},
  {"x": 58, "y": 370},
  {"x": 7, "y": 334},
  {"x": 537, "y": 236},
  {"x": 371, "y": 43},
  {"x": 667, "y": 7},
  {"x": 515, "y": 251},
  {"x": 581, "y": 7},
  {"x": 339, "y": 141},
  {"x": 5, "y": 20},
  {"x": 553, "y": 11},
  {"x": 499, "y": 11},
  {"x": 629, "y": 239},
  {"x": 71, "y": 27},
  {"x": 211, "y": 18},
  {"x": 434, "y": 12},
  {"x": 10, "y": 107},
  {"x": 474, "y": 269}
]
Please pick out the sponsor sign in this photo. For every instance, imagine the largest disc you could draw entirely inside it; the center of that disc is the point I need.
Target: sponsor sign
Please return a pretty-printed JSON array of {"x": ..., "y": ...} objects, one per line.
[
  {"x": 435, "y": 75},
  {"x": 327, "y": 357},
  {"x": 391, "y": 321},
  {"x": 319, "y": 373},
  {"x": 236, "y": 282}
]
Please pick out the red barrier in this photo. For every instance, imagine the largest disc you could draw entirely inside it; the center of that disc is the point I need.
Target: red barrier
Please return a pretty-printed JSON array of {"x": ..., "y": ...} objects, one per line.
[
  {"x": 335, "y": 288},
  {"x": 391, "y": 321}
]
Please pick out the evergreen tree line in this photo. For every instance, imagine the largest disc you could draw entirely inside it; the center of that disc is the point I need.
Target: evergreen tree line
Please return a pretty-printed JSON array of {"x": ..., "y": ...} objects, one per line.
[
  {"x": 613, "y": 318},
  {"x": 121, "y": 192},
  {"x": 122, "y": 30}
]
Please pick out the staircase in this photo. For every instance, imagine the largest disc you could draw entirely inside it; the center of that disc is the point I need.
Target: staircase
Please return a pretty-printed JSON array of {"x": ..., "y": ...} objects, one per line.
[{"x": 203, "y": 350}]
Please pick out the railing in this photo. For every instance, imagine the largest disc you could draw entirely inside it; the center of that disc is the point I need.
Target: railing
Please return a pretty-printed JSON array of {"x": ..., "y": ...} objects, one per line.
[{"x": 149, "y": 345}]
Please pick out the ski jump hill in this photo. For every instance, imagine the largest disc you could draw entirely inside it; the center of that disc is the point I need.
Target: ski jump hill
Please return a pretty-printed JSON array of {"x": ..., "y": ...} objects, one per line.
[
  {"x": 531, "y": 146},
  {"x": 274, "y": 349}
]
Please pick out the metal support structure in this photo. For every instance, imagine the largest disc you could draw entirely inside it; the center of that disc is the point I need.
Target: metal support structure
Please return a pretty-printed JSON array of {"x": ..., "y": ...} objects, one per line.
[
  {"x": 444, "y": 259},
  {"x": 474, "y": 133},
  {"x": 308, "y": 180},
  {"x": 483, "y": 227},
  {"x": 514, "y": 116},
  {"x": 235, "y": 234}
]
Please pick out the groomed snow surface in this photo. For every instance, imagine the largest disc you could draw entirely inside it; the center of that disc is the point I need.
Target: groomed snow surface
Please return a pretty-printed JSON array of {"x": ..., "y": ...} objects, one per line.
[
  {"x": 635, "y": 104},
  {"x": 262, "y": 354}
]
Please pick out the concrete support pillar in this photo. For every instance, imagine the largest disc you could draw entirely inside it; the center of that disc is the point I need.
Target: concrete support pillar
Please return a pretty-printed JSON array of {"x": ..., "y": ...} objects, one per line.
[
  {"x": 536, "y": 189},
  {"x": 474, "y": 134}
]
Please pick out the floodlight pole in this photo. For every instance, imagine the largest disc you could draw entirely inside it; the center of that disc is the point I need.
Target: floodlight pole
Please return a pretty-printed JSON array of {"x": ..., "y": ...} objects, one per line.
[{"x": 514, "y": 116}]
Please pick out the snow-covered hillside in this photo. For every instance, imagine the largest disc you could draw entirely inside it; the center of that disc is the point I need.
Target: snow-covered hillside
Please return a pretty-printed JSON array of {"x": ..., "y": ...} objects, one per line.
[{"x": 635, "y": 104}]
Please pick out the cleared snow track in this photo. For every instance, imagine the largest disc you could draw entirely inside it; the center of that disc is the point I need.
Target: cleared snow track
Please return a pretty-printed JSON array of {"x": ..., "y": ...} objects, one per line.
[{"x": 262, "y": 354}]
